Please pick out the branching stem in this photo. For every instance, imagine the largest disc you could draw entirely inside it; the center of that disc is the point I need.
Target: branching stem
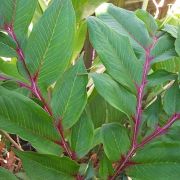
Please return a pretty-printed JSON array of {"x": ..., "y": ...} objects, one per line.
[
  {"x": 36, "y": 91},
  {"x": 138, "y": 117}
]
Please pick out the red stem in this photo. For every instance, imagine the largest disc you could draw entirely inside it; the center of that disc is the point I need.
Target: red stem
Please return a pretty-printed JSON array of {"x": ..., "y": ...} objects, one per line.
[
  {"x": 36, "y": 91},
  {"x": 140, "y": 91},
  {"x": 156, "y": 133},
  {"x": 21, "y": 84},
  {"x": 159, "y": 130},
  {"x": 138, "y": 116}
]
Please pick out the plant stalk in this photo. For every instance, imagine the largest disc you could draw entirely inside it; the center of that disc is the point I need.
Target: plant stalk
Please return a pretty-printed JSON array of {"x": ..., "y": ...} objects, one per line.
[
  {"x": 36, "y": 91},
  {"x": 159, "y": 131}
]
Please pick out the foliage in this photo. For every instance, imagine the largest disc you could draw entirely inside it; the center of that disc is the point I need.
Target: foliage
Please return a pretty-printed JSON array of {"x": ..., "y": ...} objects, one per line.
[{"x": 116, "y": 119}]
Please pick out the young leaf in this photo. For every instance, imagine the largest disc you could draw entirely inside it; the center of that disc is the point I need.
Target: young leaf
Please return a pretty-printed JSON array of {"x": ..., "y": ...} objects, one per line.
[
  {"x": 42, "y": 166},
  {"x": 149, "y": 21},
  {"x": 69, "y": 97},
  {"x": 50, "y": 45},
  {"x": 101, "y": 111},
  {"x": 115, "y": 141},
  {"x": 21, "y": 116},
  {"x": 114, "y": 94},
  {"x": 120, "y": 62},
  {"x": 177, "y": 42},
  {"x": 82, "y": 135},
  {"x": 171, "y": 65},
  {"x": 171, "y": 29},
  {"x": 6, "y": 51},
  {"x": 84, "y": 8},
  {"x": 9, "y": 68},
  {"x": 18, "y": 13},
  {"x": 172, "y": 99},
  {"x": 163, "y": 49},
  {"x": 152, "y": 113},
  {"x": 97, "y": 137},
  {"x": 160, "y": 77},
  {"x": 105, "y": 169},
  {"x": 7, "y": 175},
  {"x": 79, "y": 38},
  {"x": 160, "y": 161}
]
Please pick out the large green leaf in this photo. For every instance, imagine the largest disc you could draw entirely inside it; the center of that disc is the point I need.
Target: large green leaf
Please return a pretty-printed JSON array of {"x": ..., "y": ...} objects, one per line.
[
  {"x": 115, "y": 94},
  {"x": 172, "y": 99},
  {"x": 163, "y": 49},
  {"x": 115, "y": 141},
  {"x": 50, "y": 45},
  {"x": 84, "y": 8},
  {"x": 126, "y": 23},
  {"x": 160, "y": 161},
  {"x": 48, "y": 167},
  {"x": 82, "y": 135},
  {"x": 69, "y": 98},
  {"x": 19, "y": 13},
  {"x": 20, "y": 115},
  {"x": 115, "y": 53},
  {"x": 5, "y": 174},
  {"x": 101, "y": 111}
]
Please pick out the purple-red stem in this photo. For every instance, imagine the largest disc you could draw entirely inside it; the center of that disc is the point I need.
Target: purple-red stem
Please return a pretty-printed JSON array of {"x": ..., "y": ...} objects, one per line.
[
  {"x": 138, "y": 116},
  {"x": 156, "y": 133},
  {"x": 21, "y": 84},
  {"x": 160, "y": 130},
  {"x": 140, "y": 91},
  {"x": 36, "y": 91}
]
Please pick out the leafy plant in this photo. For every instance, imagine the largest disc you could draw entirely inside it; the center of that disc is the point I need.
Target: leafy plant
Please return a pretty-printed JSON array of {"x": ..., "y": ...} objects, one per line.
[{"x": 83, "y": 124}]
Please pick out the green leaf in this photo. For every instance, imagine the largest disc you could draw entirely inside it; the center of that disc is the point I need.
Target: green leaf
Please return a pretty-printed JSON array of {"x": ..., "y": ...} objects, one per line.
[
  {"x": 126, "y": 23},
  {"x": 160, "y": 77},
  {"x": 97, "y": 137},
  {"x": 101, "y": 111},
  {"x": 152, "y": 113},
  {"x": 50, "y": 45},
  {"x": 115, "y": 141},
  {"x": 115, "y": 53},
  {"x": 6, "y": 51},
  {"x": 20, "y": 115},
  {"x": 163, "y": 49},
  {"x": 9, "y": 68},
  {"x": 171, "y": 29},
  {"x": 105, "y": 169},
  {"x": 7, "y": 175},
  {"x": 171, "y": 65},
  {"x": 160, "y": 161},
  {"x": 82, "y": 135},
  {"x": 177, "y": 42},
  {"x": 115, "y": 94},
  {"x": 149, "y": 21},
  {"x": 5, "y": 39},
  {"x": 79, "y": 38},
  {"x": 172, "y": 99},
  {"x": 19, "y": 13},
  {"x": 69, "y": 97},
  {"x": 84, "y": 8},
  {"x": 48, "y": 167}
]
